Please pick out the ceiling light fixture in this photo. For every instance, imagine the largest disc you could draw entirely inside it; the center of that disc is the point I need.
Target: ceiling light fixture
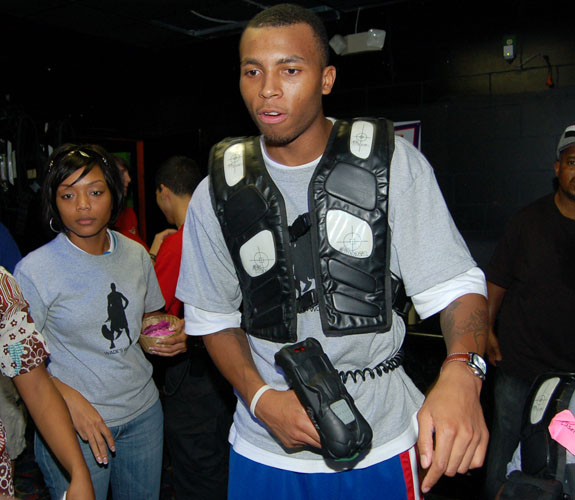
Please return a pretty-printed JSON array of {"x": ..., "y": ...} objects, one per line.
[{"x": 367, "y": 41}]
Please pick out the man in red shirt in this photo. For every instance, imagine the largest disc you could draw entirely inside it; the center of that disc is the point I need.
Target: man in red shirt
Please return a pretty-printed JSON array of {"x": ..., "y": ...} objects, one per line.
[
  {"x": 175, "y": 182},
  {"x": 199, "y": 402}
]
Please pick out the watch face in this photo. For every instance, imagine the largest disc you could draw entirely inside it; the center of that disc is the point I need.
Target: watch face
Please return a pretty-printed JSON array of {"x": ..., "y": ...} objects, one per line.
[{"x": 478, "y": 361}]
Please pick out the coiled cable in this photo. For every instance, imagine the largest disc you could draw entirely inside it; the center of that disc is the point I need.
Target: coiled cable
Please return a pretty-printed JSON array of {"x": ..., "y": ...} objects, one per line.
[{"x": 385, "y": 366}]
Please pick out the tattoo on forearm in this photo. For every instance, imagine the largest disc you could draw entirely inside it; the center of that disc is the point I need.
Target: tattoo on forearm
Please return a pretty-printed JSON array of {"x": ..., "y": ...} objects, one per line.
[{"x": 476, "y": 324}]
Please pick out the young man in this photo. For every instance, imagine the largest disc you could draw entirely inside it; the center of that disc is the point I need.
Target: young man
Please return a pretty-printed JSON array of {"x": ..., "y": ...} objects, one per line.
[
  {"x": 198, "y": 401},
  {"x": 263, "y": 184},
  {"x": 531, "y": 287},
  {"x": 175, "y": 182}
]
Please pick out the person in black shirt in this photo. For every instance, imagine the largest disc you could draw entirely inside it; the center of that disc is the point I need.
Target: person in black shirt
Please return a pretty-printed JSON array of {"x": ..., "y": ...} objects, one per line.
[{"x": 531, "y": 289}]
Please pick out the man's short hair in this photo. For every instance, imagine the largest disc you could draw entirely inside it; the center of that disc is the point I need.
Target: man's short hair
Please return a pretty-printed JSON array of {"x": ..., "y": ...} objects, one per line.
[
  {"x": 286, "y": 14},
  {"x": 180, "y": 174}
]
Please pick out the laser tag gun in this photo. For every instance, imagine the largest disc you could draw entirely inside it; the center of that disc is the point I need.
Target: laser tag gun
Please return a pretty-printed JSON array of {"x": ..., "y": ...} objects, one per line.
[{"x": 343, "y": 431}]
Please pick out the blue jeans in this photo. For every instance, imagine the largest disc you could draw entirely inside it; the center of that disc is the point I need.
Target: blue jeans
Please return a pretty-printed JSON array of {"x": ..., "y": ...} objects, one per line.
[
  {"x": 133, "y": 472},
  {"x": 511, "y": 393}
]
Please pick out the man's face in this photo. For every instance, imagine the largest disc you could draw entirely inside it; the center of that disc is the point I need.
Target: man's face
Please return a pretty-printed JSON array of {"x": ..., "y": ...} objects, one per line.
[
  {"x": 565, "y": 172},
  {"x": 282, "y": 81}
]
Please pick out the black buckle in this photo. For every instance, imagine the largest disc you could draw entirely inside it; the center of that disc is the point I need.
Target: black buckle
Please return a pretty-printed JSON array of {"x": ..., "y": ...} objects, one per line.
[
  {"x": 307, "y": 301},
  {"x": 401, "y": 303},
  {"x": 299, "y": 227}
]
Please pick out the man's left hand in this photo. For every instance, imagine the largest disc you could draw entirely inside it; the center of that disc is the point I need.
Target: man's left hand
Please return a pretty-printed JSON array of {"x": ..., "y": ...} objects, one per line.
[
  {"x": 173, "y": 345},
  {"x": 453, "y": 436}
]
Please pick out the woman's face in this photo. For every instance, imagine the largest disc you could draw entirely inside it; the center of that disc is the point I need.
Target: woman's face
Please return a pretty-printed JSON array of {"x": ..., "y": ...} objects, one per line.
[
  {"x": 85, "y": 206},
  {"x": 126, "y": 179}
]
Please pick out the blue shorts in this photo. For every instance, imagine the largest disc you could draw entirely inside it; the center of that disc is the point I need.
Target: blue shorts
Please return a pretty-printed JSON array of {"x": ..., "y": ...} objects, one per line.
[{"x": 393, "y": 479}]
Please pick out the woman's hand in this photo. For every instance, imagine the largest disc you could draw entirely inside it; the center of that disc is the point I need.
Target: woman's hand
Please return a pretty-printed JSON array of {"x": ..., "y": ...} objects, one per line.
[
  {"x": 159, "y": 239},
  {"x": 173, "y": 345},
  {"x": 52, "y": 418},
  {"x": 88, "y": 423}
]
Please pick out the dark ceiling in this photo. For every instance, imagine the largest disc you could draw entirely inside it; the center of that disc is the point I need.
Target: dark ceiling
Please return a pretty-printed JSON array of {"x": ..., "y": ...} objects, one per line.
[
  {"x": 86, "y": 51},
  {"x": 43, "y": 33},
  {"x": 91, "y": 58},
  {"x": 159, "y": 24}
]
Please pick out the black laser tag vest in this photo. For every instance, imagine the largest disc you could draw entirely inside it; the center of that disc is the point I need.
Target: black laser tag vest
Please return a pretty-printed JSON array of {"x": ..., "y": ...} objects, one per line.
[
  {"x": 350, "y": 237},
  {"x": 541, "y": 455}
]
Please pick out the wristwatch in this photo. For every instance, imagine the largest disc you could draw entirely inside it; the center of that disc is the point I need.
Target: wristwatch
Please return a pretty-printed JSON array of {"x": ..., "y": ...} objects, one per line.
[{"x": 474, "y": 361}]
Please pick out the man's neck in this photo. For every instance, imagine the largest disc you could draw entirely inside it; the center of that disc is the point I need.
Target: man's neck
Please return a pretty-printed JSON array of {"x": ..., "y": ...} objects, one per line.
[
  {"x": 305, "y": 148},
  {"x": 565, "y": 205},
  {"x": 181, "y": 208}
]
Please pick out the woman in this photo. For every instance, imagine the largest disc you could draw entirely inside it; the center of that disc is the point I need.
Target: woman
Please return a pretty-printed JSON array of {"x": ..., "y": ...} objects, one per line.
[
  {"x": 72, "y": 285},
  {"x": 127, "y": 221},
  {"x": 22, "y": 355}
]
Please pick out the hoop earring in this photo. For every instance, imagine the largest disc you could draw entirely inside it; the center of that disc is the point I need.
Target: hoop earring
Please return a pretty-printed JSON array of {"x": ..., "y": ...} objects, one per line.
[{"x": 51, "y": 226}]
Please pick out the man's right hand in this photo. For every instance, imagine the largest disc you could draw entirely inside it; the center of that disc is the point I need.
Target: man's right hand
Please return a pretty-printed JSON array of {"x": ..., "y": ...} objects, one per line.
[
  {"x": 285, "y": 417},
  {"x": 493, "y": 351},
  {"x": 280, "y": 411}
]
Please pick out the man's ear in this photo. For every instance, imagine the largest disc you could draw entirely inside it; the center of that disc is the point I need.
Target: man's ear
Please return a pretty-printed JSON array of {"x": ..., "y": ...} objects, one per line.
[
  {"x": 165, "y": 190},
  {"x": 328, "y": 79}
]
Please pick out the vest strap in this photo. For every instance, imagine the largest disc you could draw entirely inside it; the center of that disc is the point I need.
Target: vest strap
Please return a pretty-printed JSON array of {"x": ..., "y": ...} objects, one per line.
[
  {"x": 401, "y": 302},
  {"x": 299, "y": 227},
  {"x": 307, "y": 301}
]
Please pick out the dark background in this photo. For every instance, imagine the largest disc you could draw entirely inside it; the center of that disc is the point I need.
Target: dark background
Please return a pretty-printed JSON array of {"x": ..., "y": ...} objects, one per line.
[
  {"x": 116, "y": 71},
  {"x": 102, "y": 70}
]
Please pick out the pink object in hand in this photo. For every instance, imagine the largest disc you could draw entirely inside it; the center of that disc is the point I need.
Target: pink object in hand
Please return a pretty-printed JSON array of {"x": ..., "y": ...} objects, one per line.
[{"x": 160, "y": 329}]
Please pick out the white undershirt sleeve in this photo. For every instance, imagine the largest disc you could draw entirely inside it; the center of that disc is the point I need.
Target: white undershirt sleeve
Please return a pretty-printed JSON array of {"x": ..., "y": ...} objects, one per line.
[
  {"x": 438, "y": 297},
  {"x": 200, "y": 322}
]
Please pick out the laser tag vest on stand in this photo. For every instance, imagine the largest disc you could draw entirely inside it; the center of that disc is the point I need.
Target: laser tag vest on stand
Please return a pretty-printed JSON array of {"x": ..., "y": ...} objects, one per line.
[
  {"x": 350, "y": 236},
  {"x": 545, "y": 473},
  {"x": 541, "y": 455}
]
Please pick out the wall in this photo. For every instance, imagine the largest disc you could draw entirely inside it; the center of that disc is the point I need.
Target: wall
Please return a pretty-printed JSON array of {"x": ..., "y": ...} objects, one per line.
[
  {"x": 491, "y": 155},
  {"x": 489, "y": 127}
]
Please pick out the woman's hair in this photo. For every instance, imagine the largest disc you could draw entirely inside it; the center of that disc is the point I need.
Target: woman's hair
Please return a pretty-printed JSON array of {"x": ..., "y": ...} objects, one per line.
[{"x": 63, "y": 162}]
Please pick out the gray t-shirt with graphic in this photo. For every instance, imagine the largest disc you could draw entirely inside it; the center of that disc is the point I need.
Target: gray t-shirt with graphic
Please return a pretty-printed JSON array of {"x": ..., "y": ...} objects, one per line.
[{"x": 89, "y": 309}]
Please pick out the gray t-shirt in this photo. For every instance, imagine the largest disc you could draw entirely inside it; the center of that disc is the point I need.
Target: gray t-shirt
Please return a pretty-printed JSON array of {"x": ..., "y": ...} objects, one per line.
[
  {"x": 426, "y": 250},
  {"x": 89, "y": 308}
]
